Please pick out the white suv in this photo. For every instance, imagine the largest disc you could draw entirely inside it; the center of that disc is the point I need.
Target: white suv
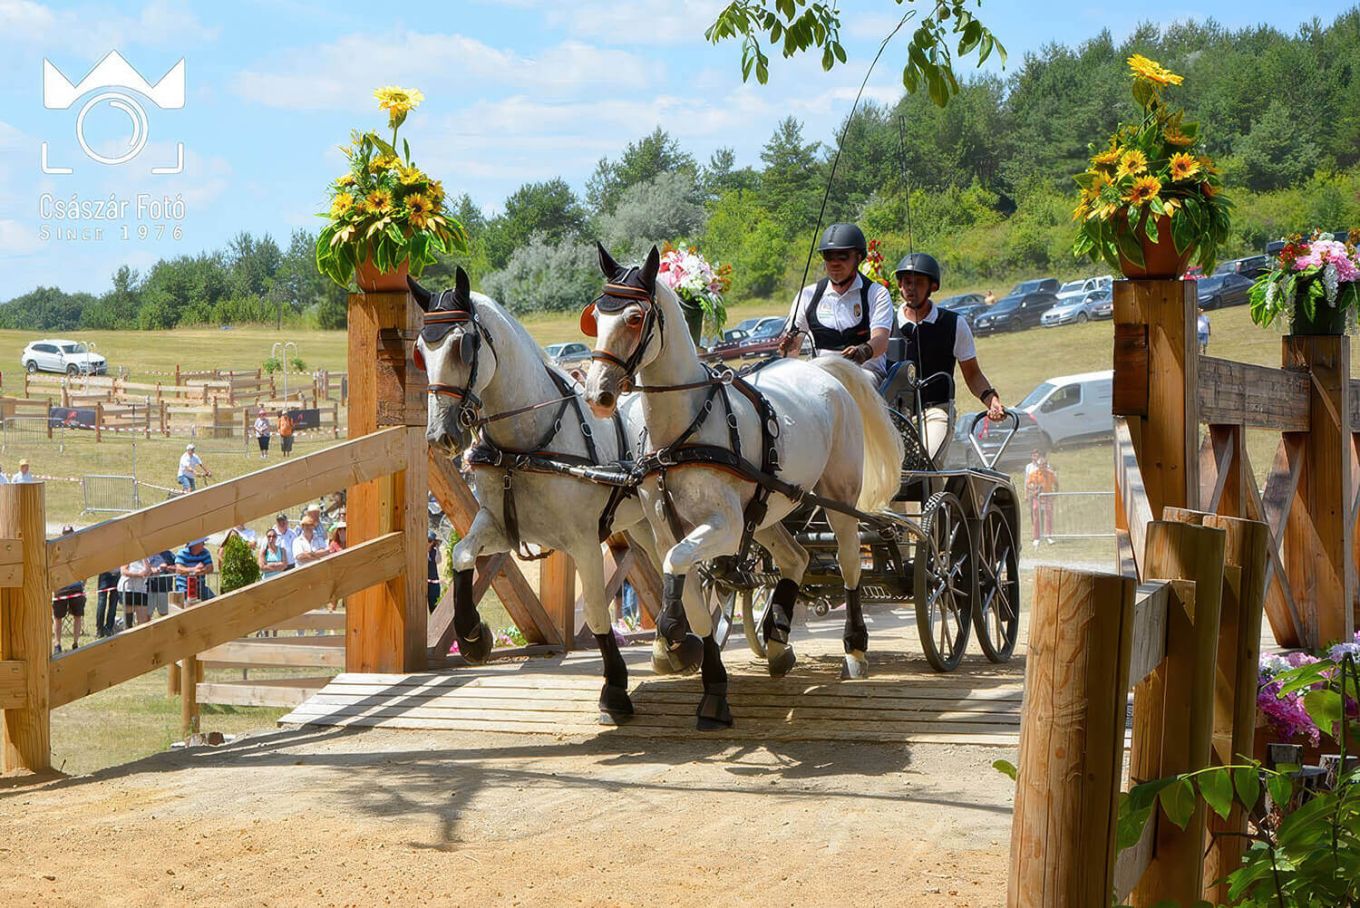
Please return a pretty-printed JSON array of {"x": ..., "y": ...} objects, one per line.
[{"x": 56, "y": 355}]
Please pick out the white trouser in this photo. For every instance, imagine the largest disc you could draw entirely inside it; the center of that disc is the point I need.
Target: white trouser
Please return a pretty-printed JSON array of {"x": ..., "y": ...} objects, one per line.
[{"x": 937, "y": 431}]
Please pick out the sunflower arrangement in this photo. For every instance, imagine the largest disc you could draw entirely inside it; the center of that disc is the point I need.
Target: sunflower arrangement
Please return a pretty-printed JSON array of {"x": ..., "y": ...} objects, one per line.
[
  {"x": 384, "y": 210},
  {"x": 1148, "y": 175}
]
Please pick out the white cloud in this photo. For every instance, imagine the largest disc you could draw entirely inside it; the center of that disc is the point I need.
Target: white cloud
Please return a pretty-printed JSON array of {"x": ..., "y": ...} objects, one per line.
[
  {"x": 343, "y": 73},
  {"x": 25, "y": 24},
  {"x": 638, "y": 23},
  {"x": 17, "y": 239}
]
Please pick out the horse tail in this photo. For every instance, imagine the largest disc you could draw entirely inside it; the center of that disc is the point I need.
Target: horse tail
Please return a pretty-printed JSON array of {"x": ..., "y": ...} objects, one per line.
[{"x": 883, "y": 451}]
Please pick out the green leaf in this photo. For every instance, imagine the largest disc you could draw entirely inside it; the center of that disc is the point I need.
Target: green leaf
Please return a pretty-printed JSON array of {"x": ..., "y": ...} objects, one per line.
[
  {"x": 1247, "y": 782},
  {"x": 1178, "y": 801},
  {"x": 1216, "y": 787},
  {"x": 1150, "y": 228},
  {"x": 1005, "y": 767},
  {"x": 1129, "y": 247},
  {"x": 1131, "y": 821},
  {"x": 1324, "y": 708},
  {"x": 1281, "y": 789}
]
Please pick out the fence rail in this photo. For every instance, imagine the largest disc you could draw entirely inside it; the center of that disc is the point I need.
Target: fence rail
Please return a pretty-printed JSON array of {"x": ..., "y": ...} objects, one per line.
[{"x": 1077, "y": 515}]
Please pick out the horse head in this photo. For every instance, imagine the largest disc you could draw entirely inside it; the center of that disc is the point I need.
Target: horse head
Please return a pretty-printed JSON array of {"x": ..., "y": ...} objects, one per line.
[
  {"x": 623, "y": 321},
  {"x": 449, "y": 349}
]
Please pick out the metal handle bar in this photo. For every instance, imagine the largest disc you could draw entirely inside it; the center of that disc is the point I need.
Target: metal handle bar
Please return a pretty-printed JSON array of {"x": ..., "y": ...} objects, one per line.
[{"x": 972, "y": 437}]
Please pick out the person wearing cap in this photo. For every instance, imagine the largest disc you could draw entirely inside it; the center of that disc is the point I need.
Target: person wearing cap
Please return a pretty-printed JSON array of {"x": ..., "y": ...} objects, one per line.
[
  {"x": 936, "y": 340},
  {"x": 193, "y": 563},
  {"x": 844, "y": 312},
  {"x": 262, "y": 428},
  {"x": 67, "y": 600},
  {"x": 190, "y": 466},
  {"x": 286, "y": 536},
  {"x": 314, "y": 511},
  {"x": 310, "y": 544},
  {"x": 432, "y": 587},
  {"x": 1202, "y": 330},
  {"x": 23, "y": 475}
]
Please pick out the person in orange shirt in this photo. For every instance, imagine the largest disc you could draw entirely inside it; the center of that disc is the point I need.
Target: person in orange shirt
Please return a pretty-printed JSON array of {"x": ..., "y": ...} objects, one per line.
[{"x": 1040, "y": 478}]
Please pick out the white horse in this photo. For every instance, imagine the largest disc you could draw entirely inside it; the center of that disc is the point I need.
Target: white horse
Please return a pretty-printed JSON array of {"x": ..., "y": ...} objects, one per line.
[
  {"x": 829, "y": 431},
  {"x": 485, "y": 371}
]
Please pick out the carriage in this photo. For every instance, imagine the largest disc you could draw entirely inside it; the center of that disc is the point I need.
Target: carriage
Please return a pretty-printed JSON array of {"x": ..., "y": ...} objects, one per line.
[{"x": 948, "y": 546}]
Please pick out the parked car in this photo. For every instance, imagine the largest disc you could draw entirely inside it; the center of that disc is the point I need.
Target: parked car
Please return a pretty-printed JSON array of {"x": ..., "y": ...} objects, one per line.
[
  {"x": 763, "y": 338},
  {"x": 967, "y": 312},
  {"x": 747, "y": 324},
  {"x": 1015, "y": 312},
  {"x": 1046, "y": 284},
  {"x": 990, "y": 435},
  {"x": 1219, "y": 290},
  {"x": 961, "y": 301},
  {"x": 566, "y": 354},
  {"x": 1193, "y": 273},
  {"x": 1071, "y": 408},
  {"x": 1101, "y": 303},
  {"x": 1253, "y": 266},
  {"x": 728, "y": 346},
  {"x": 56, "y": 355},
  {"x": 1067, "y": 312},
  {"x": 1078, "y": 289}
]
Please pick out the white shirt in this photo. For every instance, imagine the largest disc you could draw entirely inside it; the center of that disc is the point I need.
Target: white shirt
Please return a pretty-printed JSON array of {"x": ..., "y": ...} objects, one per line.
[
  {"x": 262, "y": 427},
  {"x": 841, "y": 312},
  {"x": 21, "y": 476},
  {"x": 127, "y": 584},
  {"x": 4, "y": 480},
  {"x": 187, "y": 461},
  {"x": 964, "y": 346},
  {"x": 301, "y": 545},
  {"x": 286, "y": 542}
]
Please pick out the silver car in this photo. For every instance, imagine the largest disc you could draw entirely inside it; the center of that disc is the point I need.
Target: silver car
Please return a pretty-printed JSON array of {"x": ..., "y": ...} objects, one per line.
[
  {"x": 57, "y": 355},
  {"x": 567, "y": 354}
]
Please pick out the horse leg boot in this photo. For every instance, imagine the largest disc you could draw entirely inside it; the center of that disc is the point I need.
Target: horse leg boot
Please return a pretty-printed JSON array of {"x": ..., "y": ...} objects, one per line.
[
  {"x": 713, "y": 712},
  {"x": 615, "y": 705},
  {"x": 474, "y": 637},
  {"x": 778, "y": 622},
  {"x": 856, "y": 638},
  {"x": 675, "y": 649}
]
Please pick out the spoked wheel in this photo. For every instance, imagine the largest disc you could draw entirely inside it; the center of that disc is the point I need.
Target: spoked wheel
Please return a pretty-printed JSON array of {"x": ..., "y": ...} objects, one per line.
[
  {"x": 944, "y": 578},
  {"x": 997, "y": 616},
  {"x": 754, "y": 604}
]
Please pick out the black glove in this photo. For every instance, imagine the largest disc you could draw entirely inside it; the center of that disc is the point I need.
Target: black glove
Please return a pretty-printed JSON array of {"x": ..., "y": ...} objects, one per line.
[
  {"x": 790, "y": 343},
  {"x": 859, "y": 354}
]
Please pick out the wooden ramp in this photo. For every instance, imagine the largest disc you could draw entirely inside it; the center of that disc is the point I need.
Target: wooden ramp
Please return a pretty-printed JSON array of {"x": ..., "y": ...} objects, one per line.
[{"x": 903, "y": 701}]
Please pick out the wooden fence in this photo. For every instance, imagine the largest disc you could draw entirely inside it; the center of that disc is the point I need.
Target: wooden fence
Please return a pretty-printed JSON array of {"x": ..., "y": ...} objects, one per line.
[{"x": 1202, "y": 555}]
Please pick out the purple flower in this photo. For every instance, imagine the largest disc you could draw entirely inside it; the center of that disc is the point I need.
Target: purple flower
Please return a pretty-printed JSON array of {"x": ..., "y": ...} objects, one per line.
[{"x": 1342, "y": 650}]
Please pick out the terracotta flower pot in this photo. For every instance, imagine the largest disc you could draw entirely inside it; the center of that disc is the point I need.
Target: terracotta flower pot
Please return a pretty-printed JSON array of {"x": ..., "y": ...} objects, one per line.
[
  {"x": 1161, "y": 261},
  {"x": 372, "y": 280}
]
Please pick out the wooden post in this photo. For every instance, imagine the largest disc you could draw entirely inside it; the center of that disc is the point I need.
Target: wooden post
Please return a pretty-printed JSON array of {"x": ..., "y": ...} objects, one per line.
[
  {"x": 188, "y": 705},
  {"x": 26, "y": 629},
  {"x": 177, "y": 373},
  {"x": 1071, "y": 740},
  {"x": 557, "y": 592},
  {"x": 386, "y": 625},
  {"x": 172, "y": 680},
  {"x": 1155, "y": 381},
  {"x": 1178, "y": 697},
  {"x": 1318, "y": 533}
]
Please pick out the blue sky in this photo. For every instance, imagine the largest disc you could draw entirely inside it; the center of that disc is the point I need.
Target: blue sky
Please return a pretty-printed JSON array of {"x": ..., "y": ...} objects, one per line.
[{"x": 516, "y": 90}]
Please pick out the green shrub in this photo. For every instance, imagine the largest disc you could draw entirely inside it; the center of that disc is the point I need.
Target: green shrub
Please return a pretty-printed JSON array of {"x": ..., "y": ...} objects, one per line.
[{"x": 239, "y": 567}]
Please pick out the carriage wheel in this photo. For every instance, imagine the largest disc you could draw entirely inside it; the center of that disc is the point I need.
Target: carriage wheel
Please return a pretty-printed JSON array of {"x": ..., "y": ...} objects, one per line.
[
  {"x": 944, "y": 578},
  {"x": 754, "y": 604},
  {"x": 997, "y": 616}
]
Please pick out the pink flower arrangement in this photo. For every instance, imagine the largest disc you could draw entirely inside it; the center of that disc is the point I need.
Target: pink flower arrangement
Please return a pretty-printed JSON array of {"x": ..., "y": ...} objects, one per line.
[
  {"x": 1286, "y": 715},
  {"x": 697, "y": 282},
  {"x": 1312, "y": 273},
  {"x": 1322, "y": 253}
]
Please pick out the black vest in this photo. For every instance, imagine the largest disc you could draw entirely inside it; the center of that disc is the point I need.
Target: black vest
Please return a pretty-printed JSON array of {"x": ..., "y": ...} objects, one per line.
[
  {"x": 931, "y": 346},
  {"x": 829, "y": 339}
]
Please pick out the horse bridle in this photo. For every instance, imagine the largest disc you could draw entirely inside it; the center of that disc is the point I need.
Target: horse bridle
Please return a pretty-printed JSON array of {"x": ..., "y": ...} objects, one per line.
[
  {"x": 651, "y": 318},
  {"x": 440, "y": 322}
]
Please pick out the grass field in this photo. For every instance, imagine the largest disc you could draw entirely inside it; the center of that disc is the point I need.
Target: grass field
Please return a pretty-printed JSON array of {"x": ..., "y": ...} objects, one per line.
[{"x": 136, "y": 718}]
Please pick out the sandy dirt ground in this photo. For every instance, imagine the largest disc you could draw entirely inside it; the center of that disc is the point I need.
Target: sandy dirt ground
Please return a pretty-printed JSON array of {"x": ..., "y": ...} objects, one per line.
[{"x": 336, "y": 817}]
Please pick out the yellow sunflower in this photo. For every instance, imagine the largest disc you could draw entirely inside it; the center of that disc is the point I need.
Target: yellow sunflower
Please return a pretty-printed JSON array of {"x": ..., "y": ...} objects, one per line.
[
  {"x": 1152, "y": 71},
  {"x": 379, "y": 201},
  {"x": 1174, "y": 136},
  {"x": 345, "y": 180},
  {"x": 341, "y": 204},
  {"x": 383, "y": 162},
  {"x": 398, "y": 100},
  {"x": 1143, "y": 190},
  {"x": 436, "y": 191},
  {"x": 411, "y": 175},
  {"x": 1183, "y": 167},
  {"x": 1133, "y": 162},
  {"x": 1083, "y": 208},
  {"x": 420, "y": 209},
  {"x": 1110, "y": 155}
]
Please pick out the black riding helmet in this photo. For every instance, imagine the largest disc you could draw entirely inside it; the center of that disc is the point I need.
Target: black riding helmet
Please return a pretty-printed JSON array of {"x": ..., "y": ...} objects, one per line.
[
  {"x": 920, "y": 263},
  {"x": 844, "y": 236}
]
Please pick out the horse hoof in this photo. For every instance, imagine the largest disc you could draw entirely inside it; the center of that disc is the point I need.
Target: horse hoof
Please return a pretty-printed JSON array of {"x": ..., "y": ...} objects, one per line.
[
  {"x": 666, "y": 661},
  {"x": 713, "y": 713},
  {"x": 476, "y": 649},
  {"x": 781, "y": 658},
  {"x": 615, "y": 705},
  {"x": 855, "y": 667}
]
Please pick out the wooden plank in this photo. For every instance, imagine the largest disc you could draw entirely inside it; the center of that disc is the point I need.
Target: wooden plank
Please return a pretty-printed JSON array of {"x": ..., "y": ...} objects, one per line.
[
  {"x": 1071, "y": 740},
  {"x": 1220, "y": 471},
  {"x": 13, "y": 684},
  {"x": 26, "y": 631},
  {"x": 1318, "y": 534},
  {"x": 273, "y": 651},
  {"x": 1286, "y": 625},
  {"x": 11, "y": 562},
  {"x": 1181, "y": 551},
  {"x": 323, "y": 619},
  {"x": 1130, "y": 397},
  {"x": 518, "y": 598},
  {"x": 1242, "y": 394},
  {"x": 225, "y": 618},
  {"x": 86, "y": 552},
  {"x": 260, "y": 693},
  {"x": 1149, "y": 629},
  {"x": 440, "y": 632},
  {"x": 1137, "y": 510}
]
